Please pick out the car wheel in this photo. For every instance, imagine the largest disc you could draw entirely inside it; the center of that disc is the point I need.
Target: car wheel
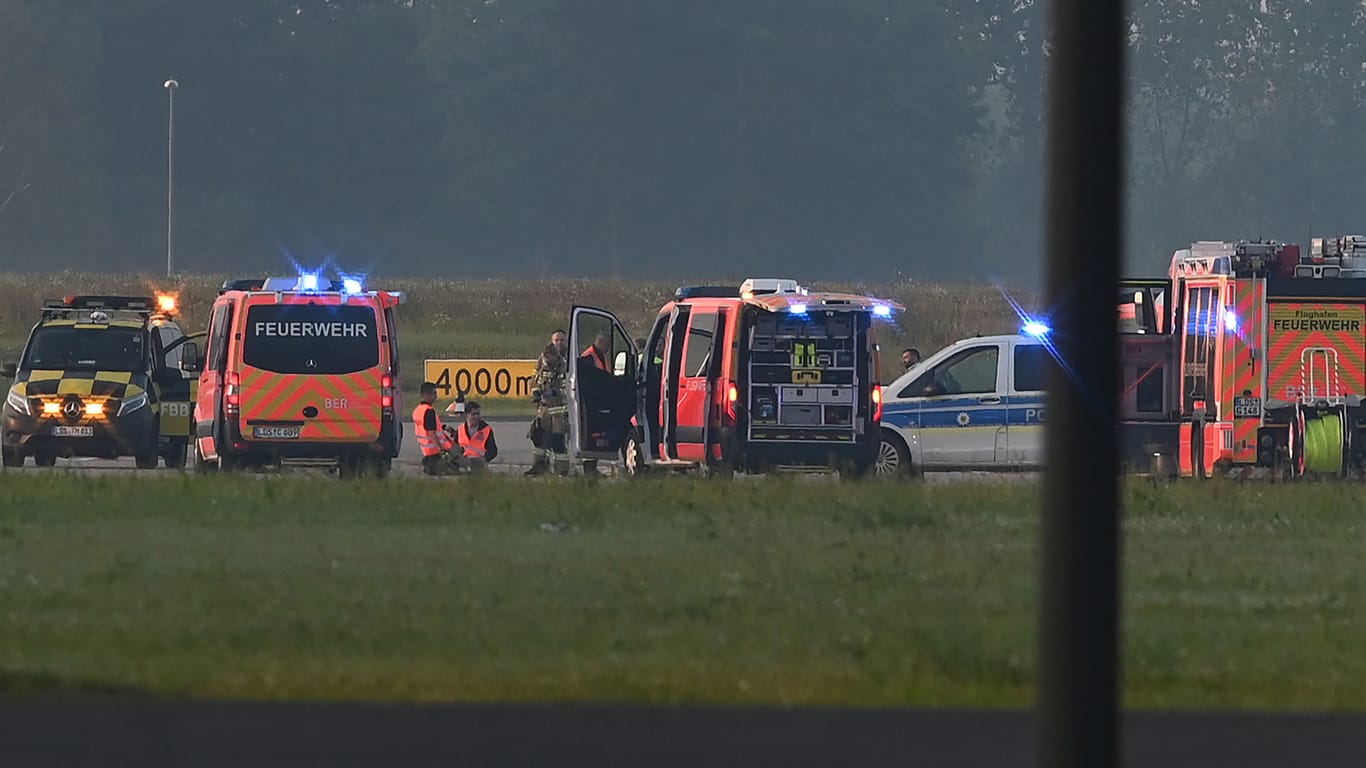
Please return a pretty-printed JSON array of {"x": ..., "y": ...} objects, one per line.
[
  {"x": 176, "y": 454},
  {"x": 893, "y": 457},
  {"x": 201, "y": 464},
  {"x": 146, "y": 461},
  {"x": 348, "y": 468},
  {"x": 856, "y": 469},
  {"x": 722, "y": 469},
  {"x": 633, "y": 456},
  {"x": 12, "y": 458},
  {"x": 45, "y": 459}
]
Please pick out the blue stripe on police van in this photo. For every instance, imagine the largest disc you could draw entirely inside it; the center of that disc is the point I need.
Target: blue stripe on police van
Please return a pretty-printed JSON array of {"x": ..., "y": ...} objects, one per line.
[
  {"x": 965, "y": 412},
  {"x": 916, "y": 405},
  {"x": 980, "y": 416},
  {"x": 1028, "y": 411}
]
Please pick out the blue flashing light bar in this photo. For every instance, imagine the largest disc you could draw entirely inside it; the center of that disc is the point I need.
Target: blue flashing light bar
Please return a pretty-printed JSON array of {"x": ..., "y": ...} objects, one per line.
[
  {"x": 882, "y": 310},
  {"x": 351, "y": 285},
  {"x": 797, "y": 309},
  {"x": 1035, "y": 328},
  {"x": 1230, "y": 321},
  {"x": 308, "y": 282}
]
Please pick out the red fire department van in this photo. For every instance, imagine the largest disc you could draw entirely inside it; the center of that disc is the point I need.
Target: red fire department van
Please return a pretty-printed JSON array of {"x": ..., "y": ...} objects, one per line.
[
  {"x": 299, "y": 370},
  {"x": 770, "y": 376}
]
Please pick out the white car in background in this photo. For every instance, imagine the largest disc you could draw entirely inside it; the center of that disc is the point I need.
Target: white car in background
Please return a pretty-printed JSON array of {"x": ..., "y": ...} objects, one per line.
[{"x": 976, "y": 405}]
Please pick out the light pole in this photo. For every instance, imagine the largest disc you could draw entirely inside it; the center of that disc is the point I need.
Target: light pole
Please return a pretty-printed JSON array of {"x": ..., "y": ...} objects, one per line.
[{"x": 170, "y": 87}]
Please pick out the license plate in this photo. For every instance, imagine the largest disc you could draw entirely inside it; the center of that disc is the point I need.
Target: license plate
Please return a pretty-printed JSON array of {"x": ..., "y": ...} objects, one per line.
[
  {"x": 73, "y": 431},
  {"x": 275, "y": 433},
  {"x": 1247, "y": 407}
]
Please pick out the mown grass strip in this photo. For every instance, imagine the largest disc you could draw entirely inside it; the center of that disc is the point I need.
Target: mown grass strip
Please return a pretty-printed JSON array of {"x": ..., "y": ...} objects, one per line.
[{"x": 667, "y": 591}]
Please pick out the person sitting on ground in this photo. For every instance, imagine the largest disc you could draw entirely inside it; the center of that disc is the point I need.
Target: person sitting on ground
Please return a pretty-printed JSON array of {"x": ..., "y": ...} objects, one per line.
[
  {"x": 475, "y": 437},
  {"x": 434, "y": 439}
]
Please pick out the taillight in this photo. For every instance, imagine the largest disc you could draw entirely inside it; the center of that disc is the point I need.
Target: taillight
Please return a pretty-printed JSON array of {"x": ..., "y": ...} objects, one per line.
[
  {"x": 232, "y": 396},
  {"x": 386, "y": 392},
  {"x": 732, "y": 397},
  {"x": 877, "y": 402}
]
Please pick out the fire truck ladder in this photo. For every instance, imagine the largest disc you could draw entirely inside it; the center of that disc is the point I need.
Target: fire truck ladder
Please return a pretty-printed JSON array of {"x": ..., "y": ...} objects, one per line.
[{"x": 1320, "y": 381}]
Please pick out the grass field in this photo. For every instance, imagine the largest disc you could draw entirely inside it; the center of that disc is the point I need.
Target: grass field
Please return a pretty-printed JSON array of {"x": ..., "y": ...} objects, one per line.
[
  {"x": 780, "y": 591},
  {"x": 514, "y": 318}
]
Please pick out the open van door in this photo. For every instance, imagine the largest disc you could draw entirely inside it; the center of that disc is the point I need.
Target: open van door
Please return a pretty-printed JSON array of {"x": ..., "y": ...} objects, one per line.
[
  {"x": 600, "y": 402},
  {"x": 672, "y": 381},
  {"x": 698, "y": 405}
]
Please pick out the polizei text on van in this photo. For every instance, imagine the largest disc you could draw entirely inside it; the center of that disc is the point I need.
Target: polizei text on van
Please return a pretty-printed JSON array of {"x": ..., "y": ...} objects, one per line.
[{"x": 333, "y": 330}]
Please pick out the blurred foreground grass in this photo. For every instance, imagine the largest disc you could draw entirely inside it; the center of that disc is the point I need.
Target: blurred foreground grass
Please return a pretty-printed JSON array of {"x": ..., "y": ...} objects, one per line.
[{"x": 674, "y": 590}]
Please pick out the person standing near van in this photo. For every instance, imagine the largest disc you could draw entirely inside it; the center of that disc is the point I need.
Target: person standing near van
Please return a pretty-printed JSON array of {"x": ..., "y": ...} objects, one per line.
[
  {"x": 435, "y": 441},
  {"x": 909, "y": 358},
  {"x": 550, "y": 429},
  {"x": 597, "y": 353},
  {"x": 539, "y": 431}
]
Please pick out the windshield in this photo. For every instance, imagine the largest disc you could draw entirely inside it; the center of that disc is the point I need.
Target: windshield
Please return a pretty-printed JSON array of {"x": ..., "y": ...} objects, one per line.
[
  {"x": 97, "y": 349},
  {"x": 1140, "y": 309},
  {"x": 311, "y": 338}
]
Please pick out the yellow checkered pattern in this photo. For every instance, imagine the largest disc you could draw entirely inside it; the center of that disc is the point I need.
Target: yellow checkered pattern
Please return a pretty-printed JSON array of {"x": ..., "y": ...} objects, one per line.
[{"x": 83, "y": 385}]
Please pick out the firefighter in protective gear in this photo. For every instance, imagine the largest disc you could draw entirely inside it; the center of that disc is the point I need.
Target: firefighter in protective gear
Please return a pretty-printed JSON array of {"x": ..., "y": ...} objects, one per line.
[
  {"x": 436, "y": 443},
  {"x": 550, "y": 429},
  {"x": 561, "y": 342},
  {"x": 539, "y": 432},
  {"x": 475, "y": 438}
]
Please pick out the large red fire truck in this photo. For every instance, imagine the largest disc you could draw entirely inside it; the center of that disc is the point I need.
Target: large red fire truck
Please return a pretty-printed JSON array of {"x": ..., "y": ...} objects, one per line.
[{"x": 1249, "y": 360}]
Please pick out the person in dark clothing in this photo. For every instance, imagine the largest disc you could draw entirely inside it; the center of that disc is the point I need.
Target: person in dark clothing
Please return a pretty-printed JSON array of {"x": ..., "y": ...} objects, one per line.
[{"x": 909, "y": 357}]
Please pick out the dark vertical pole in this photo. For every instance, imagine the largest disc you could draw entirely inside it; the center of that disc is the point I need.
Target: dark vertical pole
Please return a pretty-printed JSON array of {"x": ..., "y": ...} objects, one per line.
[
  {"x": 1078, "y": 669},
  {"x": 170, "y": 86}
]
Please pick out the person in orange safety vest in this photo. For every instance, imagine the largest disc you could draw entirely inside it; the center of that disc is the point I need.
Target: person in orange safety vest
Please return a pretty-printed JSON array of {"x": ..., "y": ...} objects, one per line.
[
  {"x": 434, "y": 440},
  {"x": 475, "y": 436},
  {"x": 598, "y": 355},
  {"x": 598, "y": 352}
]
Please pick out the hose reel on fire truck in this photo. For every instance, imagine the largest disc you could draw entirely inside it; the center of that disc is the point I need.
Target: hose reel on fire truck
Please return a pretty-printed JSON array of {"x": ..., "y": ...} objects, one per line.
[{"x": 1318, "y": 443}]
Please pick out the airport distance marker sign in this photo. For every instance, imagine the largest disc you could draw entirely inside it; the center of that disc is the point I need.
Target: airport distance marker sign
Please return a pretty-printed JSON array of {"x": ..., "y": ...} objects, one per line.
[{"x": 482, "y": 379}]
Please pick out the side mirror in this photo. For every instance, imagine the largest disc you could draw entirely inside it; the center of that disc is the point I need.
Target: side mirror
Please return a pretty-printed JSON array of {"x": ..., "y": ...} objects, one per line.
[
  {"x": 190, "y": 361},
  {"x": 9, "y": 370},
  {"x": 933, "y": 389},
  {"x": 619, "y": 364}
]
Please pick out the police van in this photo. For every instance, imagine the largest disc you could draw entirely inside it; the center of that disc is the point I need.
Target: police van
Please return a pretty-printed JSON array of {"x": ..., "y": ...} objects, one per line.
[
  {"x": 977, "y": 404},
  {"x": 299, "y": 370},
  {"x": 100, "y": 377},
  {"x": 767, "y": 376}
]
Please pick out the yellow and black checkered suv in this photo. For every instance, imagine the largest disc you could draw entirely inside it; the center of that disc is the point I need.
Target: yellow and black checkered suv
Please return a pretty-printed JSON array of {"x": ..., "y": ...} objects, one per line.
[{"x": 100, "y": 377}]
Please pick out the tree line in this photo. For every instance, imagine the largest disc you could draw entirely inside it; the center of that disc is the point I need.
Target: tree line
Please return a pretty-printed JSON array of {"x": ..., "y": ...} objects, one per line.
[{"x": 850, "y": 139}]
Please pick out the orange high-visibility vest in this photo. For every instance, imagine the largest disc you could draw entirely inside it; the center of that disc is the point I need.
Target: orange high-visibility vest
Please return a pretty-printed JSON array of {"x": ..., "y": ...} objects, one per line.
[
  {"x": 434, "y": 442},
  {"x": 597, "y": 358},
  {"x": 476, "y": 445}
]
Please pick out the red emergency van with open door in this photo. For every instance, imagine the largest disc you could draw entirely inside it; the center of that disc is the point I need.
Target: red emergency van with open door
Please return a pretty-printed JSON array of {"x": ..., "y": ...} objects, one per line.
[{"x": 769, "y": 376}]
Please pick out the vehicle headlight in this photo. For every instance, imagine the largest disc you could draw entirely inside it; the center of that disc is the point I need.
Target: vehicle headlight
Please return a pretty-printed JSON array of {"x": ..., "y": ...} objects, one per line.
[
  {"x": 18, "y": 401},
  {"x": 132, "y": 404}
]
